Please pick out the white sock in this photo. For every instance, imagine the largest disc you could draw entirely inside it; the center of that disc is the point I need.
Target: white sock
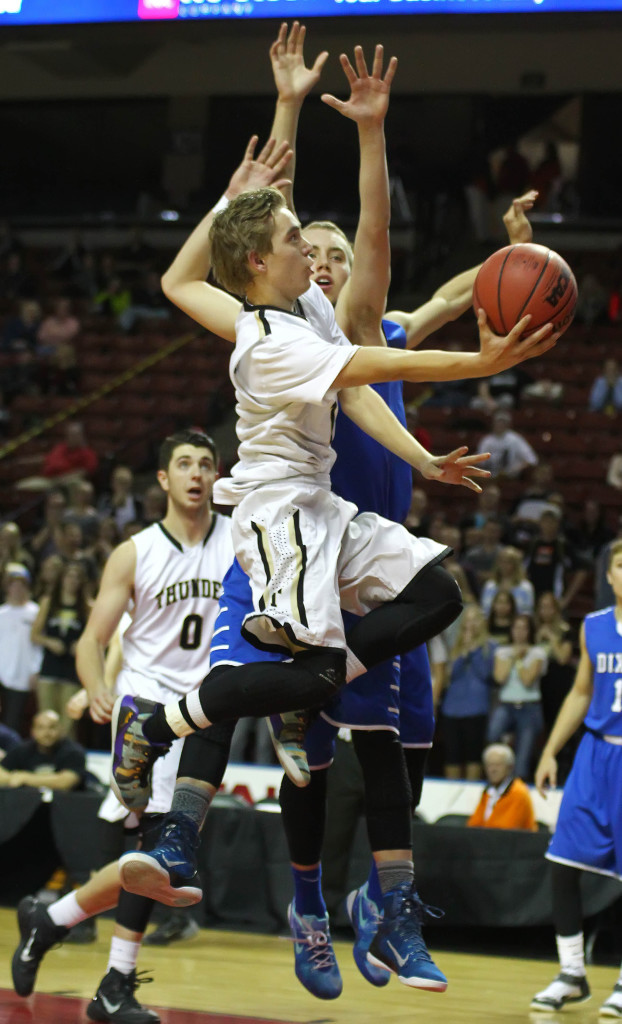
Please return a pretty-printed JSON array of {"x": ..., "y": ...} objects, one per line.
[
  {"x": 571, "y": 954},
  {"x": 619, "y": 978},
  {"x": 123, "y": 955},
  {"x": 67, "y": 911}
]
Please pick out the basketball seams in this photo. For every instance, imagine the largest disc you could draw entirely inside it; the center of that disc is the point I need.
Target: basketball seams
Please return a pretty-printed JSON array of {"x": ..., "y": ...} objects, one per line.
[
  {"x": 506, "y": 258},
  {"x": 534, "y": 289}
]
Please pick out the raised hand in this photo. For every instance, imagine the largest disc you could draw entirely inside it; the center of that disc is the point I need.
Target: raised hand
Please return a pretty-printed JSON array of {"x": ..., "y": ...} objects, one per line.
[
  {"x": 265, "y": 169},
  {"x": 456, "y": 468},
  {"x": 293, "y": 79},
  {"x": 369, "y": 94},
  {"x": 517, "y": 225}
]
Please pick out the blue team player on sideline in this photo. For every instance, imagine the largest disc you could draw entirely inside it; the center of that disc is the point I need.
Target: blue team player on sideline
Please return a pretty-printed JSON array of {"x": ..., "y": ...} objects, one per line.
[{"x": 588, "y": 836}]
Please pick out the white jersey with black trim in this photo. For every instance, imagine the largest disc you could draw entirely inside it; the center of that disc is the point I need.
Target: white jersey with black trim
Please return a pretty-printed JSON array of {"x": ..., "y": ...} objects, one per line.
[
  {"x": 282, "y": 368},
  {"x": 176, "y": 591}
]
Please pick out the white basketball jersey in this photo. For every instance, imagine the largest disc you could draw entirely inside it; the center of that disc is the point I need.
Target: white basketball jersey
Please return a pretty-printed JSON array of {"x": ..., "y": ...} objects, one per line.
[
  {"x": 283, "y": 367},
  {"x": 176, "y": 591}
]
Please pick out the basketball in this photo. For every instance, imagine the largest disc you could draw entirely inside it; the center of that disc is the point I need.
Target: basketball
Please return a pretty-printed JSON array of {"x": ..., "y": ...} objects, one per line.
[{"x": 525, "y": 278}]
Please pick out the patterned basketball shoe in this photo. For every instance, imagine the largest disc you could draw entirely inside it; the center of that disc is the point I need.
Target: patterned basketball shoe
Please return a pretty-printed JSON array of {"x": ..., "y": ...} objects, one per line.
[
  {"x": 133, "y": 756},
  {"x": 365, "y": 917},
  {"x": 398, "y": 944},
  {"x": 38, "y": 934},
  {"x": 288, "y": 738},
  {"x": 564, "y": 990},
  {"x": 315, "y": 963},
  {"x": 115, "y": 1001},
  {"x": 168, "y": 873}
]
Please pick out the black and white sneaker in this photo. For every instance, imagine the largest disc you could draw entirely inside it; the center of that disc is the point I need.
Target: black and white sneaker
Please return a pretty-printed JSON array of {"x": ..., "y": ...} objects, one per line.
[
  {"x": 613, "y": 1005},
  {"x": 115, "y": 1001},
  {"x": 38, "y": 934},
  {"x": 564, "y": 990}
]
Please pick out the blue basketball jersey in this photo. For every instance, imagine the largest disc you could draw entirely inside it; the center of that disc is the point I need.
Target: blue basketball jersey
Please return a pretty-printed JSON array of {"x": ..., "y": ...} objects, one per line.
[
  {"x": 604, "y": 646},
  {"x": 376, "y": 480}
]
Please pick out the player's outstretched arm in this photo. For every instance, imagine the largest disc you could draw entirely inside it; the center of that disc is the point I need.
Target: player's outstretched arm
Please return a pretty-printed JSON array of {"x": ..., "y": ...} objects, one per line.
[
  {"x": 362, "y": 301},
  {"x": 571, "y": 714},
  {"x": 184, "y": 283},
  {"x": 454, "y": 297},
  {"x": 116, "y": 589},
  {"x": 367, "y": 409},
  {"x": 373, "y": 365},
  {"x": 293, "y": 81}
]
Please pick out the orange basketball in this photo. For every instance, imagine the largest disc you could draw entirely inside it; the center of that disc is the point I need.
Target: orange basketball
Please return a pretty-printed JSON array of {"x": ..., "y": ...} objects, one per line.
[{"x": 525, "y": 278}]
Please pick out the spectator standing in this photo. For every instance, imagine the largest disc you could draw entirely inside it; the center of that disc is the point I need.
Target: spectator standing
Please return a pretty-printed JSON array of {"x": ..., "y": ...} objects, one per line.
[
  {"x": 120, "y": 502},
  {"x": 510, "y": 452},
  {"x": 606, "y": 393},
  {"x": 590, "y": 534},
  {"x": 557, "y": 639},
  {"x": 82, "y": 511},
  {"x": 501, "y": 616},
  {"x": 483, "y": 556},
  {"x": 506, "y": 801},
  {"x": 57, "y": 628},
  {"x": 466, "y": 699},
  {"x": 21, "y": 658},
  {"x": 550, "y": 559},
  {"x": 49, "y": 571},
  {"x": 71, "y": 457},
  {"x": 45, "y": 541},
  {"x": 518, "y": 670},
  {"x": 509, "y": 573}
]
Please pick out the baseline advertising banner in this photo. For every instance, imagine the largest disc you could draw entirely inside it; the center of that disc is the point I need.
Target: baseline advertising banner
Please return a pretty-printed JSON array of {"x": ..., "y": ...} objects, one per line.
[{"x": 50, "y": 12}]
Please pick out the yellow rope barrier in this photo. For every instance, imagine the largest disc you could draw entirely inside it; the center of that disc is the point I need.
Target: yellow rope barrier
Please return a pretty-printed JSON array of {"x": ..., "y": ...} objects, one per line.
[{"x": 86, "y": 400}]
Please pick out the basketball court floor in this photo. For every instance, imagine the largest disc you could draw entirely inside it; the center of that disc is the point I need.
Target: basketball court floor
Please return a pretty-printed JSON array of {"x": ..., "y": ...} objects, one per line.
[{"x": 233, "y": 978}]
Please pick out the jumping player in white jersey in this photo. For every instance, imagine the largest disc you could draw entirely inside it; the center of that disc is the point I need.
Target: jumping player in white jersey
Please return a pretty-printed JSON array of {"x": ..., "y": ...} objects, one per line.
[
  {"x": 171, "y": 575},
  {"x": 588, "y": 835}
]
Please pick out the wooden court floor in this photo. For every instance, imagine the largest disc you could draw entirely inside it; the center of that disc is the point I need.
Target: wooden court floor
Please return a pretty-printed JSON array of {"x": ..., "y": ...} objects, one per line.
[{"x": 231, "y": 978}]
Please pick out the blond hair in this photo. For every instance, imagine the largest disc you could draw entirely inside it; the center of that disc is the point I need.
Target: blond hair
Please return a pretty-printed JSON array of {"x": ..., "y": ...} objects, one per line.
[
  {"x": 482, "y": 636},
  {"x": 329, "y": 225},
  {"x": 514, "y": 556},
  {"x": 244, "y": 227}
]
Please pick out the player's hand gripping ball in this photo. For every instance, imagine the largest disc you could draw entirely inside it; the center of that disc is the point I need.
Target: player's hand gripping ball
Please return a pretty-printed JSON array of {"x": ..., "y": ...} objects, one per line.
[{"x": 526, "y": 278}]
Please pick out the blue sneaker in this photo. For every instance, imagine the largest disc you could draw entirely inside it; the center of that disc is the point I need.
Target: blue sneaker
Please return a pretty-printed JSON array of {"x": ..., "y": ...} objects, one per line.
[
  {"x": 365, "y": 917},
  {"x": 398, "y": 944},
  {"x": 288, "y": 739},
  {"x": 168, "y": 873},
  {"x": 316, "y": 966},
  {"x": 132, "y": 753}
]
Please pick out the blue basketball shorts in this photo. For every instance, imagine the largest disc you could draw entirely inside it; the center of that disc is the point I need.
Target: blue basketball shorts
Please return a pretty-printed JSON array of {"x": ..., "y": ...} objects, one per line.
[{"x": 589, "y": 827}]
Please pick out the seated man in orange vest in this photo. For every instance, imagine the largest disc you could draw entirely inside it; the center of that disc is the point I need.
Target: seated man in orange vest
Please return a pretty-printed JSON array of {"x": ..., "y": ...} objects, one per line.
[{"x": 505, "y": 803}]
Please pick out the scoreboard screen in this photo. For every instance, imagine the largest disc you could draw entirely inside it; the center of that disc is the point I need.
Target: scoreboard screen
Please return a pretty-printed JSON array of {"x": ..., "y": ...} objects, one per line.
[{"x": 65, "y": 12}]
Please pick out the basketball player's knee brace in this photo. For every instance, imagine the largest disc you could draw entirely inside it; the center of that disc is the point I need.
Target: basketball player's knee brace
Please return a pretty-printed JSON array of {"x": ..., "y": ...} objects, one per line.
[{"x": 435, "y": 591}]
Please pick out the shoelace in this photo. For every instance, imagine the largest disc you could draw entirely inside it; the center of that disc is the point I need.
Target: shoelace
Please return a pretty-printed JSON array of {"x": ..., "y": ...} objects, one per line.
[
  {"x": 321, "y": 951},
  {"x": 294, "y": 728},
  {"x": 413, "y": 907},
  {"x": 140, "y": 978}
]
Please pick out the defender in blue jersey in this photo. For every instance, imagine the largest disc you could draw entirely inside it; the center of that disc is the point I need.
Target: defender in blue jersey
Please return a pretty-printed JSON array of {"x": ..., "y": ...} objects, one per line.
[{"x": 588, "y": 836}]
